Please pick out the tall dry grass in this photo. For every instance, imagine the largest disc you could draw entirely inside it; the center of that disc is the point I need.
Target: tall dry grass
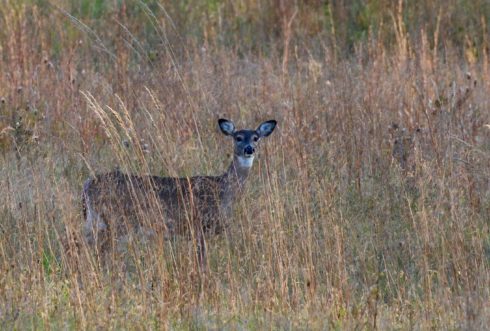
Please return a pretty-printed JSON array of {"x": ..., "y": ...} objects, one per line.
[{"x": 340, "y": 228}]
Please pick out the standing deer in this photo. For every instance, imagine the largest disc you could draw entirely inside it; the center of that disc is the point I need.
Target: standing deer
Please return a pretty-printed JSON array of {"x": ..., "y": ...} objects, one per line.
[{"x": 117, "y": 204}]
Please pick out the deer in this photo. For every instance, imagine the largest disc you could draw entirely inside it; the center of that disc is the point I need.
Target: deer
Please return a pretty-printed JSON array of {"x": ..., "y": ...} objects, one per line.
[{"x": 116, "y": 204}]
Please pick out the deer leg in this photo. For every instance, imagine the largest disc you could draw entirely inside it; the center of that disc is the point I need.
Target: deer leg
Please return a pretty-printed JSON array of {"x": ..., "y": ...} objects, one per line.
[{"x": 201, "y": 251}]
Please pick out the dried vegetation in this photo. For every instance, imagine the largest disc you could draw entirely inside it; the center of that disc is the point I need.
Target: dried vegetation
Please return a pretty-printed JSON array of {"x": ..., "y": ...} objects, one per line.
[{"x": 368, "y": 208}]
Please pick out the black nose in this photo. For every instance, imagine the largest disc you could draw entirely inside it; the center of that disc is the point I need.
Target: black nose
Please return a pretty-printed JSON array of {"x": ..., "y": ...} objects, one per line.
[{"x": 249, "y": 150}]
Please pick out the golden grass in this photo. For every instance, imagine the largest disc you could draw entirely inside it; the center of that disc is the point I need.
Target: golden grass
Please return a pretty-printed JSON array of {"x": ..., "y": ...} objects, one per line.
[{"x": 333, "y": 232}]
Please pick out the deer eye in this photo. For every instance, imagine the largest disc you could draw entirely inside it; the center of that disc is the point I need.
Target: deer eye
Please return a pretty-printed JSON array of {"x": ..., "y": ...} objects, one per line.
[
  {"x": 256, "y": 138},
  {"x": 239, "y": 138}
]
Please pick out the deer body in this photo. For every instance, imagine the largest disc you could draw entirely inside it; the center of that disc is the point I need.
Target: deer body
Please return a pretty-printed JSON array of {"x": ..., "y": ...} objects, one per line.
[{"x": 118, "y": 204}]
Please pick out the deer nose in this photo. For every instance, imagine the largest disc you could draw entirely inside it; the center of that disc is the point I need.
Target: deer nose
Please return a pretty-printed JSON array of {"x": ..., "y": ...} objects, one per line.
[{"x": 249, "y": 150}]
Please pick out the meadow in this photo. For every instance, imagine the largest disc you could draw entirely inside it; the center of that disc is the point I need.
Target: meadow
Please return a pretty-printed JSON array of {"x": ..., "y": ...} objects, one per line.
[{"x": 367, "y": 208}]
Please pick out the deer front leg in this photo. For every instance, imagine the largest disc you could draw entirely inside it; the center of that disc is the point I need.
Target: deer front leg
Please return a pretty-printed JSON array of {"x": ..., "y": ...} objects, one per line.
[{"x": 201, "y": 251}]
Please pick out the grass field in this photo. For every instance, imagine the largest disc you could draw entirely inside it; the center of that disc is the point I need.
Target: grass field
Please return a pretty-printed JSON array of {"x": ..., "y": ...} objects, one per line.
[{"x": 367, "y": 208}]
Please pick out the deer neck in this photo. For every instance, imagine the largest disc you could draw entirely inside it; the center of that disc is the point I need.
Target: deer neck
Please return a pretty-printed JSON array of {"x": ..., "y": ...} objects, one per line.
[{"x": 236, "y": 176}]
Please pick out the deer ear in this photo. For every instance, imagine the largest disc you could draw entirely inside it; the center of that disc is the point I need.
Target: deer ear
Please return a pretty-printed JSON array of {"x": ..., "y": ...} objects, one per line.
[
  {"x": 266, "y": 128},
  {"x": 227, "y": 127}
]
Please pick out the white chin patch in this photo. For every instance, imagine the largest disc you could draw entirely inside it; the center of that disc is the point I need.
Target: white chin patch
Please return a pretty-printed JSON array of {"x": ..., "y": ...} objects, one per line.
[{"x": 245, "y": 162}]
